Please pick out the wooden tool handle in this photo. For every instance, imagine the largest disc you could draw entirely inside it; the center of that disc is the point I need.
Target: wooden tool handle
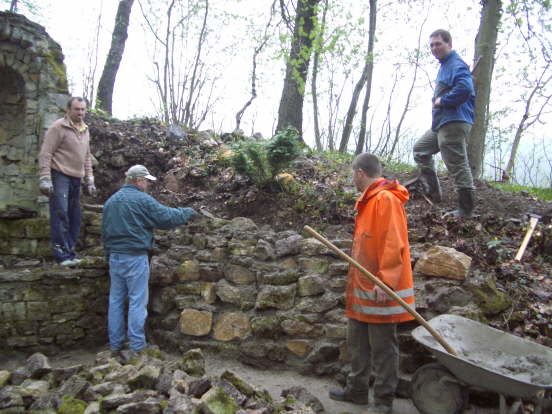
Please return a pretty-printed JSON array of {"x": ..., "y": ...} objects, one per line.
[
  {"x": 532, "y": 224},
  {"x": 382, "y": 285}
]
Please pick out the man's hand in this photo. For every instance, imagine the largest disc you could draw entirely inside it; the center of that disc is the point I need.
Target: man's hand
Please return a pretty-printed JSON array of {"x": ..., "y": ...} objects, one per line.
[
  {"x": 45, "y": 186},
  {"x": 90, "y": 187},
  {"x": 381, "y": 296},
  {"x": 437, "y": 102}
]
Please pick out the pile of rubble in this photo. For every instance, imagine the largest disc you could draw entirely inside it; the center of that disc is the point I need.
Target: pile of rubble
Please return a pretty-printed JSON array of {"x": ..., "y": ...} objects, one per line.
[{"x": 150, "y": 382}]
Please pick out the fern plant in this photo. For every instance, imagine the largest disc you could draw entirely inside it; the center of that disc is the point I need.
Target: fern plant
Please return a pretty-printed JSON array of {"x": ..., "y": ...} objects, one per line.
[{"x": 262, "y": 161}]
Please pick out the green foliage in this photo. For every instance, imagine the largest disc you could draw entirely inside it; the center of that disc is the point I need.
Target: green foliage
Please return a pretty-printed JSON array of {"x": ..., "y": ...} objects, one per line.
[
  {"x": 399, "y": 167},
  {"x": 542, "y": 193},
  {"x": 261, "y": 161}
]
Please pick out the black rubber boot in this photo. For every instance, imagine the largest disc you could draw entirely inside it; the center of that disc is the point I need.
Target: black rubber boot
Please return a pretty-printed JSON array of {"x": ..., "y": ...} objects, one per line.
[
  {"x": 359, "y": 398},
  {"x": 466, "y": 201},
  {"x": 430, "y": 181}
]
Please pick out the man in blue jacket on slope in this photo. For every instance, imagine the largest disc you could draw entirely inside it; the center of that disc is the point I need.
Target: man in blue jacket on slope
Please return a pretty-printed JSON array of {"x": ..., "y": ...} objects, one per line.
[
  {"x": 129, "y": 217},
  {"x": 452, "y": 118}
]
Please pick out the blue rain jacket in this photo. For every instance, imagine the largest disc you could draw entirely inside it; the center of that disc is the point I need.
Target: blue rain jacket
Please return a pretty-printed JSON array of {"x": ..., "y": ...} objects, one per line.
[
  {"x": 129, "y": 217},
  {"x": 454, "y": 85}
]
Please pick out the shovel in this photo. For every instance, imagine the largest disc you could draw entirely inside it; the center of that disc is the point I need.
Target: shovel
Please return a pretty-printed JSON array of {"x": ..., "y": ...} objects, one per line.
[{"x": 382, "y": 285}]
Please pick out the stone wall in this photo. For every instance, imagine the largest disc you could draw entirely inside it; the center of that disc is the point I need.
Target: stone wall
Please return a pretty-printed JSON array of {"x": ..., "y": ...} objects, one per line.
[
  {"x": 33, "y": 93},
  {"x": 265, "y": 297}
]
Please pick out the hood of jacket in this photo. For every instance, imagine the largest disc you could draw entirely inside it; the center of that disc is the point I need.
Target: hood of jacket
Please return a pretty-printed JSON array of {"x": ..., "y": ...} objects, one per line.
[{"x": 382, "y": 184}]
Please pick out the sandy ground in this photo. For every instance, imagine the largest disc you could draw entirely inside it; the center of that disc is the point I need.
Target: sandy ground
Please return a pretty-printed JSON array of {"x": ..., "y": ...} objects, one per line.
[{"x": 273, "y": 381}]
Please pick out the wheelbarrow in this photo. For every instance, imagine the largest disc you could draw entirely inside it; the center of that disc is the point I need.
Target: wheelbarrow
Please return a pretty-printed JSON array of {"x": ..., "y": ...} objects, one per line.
[{"x": 488, "y": 359}]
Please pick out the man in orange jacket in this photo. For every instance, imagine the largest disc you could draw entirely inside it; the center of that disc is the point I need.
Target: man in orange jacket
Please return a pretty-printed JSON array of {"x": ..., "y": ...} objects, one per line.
[{"x": 380, "y": 244}]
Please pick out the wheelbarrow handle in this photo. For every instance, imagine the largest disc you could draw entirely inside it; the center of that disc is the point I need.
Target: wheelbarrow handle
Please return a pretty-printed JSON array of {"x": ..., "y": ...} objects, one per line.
[{"x": 382, "y": 285}]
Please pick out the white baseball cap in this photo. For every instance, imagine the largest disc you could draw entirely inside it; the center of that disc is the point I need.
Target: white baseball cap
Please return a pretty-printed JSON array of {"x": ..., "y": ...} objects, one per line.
[{"x": 139, "y": 171}]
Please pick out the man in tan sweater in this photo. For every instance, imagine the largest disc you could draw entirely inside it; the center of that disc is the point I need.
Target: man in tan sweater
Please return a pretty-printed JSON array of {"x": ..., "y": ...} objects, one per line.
[{"x": 64, "y": 160}]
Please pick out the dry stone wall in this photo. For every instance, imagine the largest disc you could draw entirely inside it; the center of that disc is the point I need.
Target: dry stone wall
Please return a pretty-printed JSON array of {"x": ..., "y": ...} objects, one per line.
[{"x": 265, "y": 297}]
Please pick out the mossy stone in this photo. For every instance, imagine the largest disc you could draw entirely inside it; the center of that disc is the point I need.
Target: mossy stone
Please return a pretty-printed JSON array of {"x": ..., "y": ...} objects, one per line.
[{"x": 72, "y": 405}]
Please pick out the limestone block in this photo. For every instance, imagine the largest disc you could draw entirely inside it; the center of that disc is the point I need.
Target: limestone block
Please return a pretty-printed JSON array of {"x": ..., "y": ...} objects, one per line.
[
  {"x": 189, "y": 288},
  {"x": 195, "y": 323},
  {"x": 313, "y": 265},
  {"x": 288, "y": 246},
  {"x": 338, "y": 268},
  {"x": 279, "y": 297},
  {"x": 318, "y": 304},
  {"x": 337, "y": 283},
  {"x": 239, "y": 275},
  {"x": 299, "y": 347},
  {"x": 208, "y": 292},
  {"x": 216, "y": 401},
  {"x": 37, "y": 228},
  {"x": 34, "y": 389},
  {"x": 312, "y": 247},
  {"x": 294, "y": 327},
  {"x": 264, "y": 250},
  {"x": 210, "y": 272},
  {"x": 219, "y": 254},
  {"x": 232, "y": 325},
  {"x": 241, "y": 248},
  {"x": 145, "y": 378},
  {"x": 242, "y": 296},
  {"x": 193, "y": 362},
  {"x": 284, "y": 277},
  {"x": 22, "y": 341},
  {"x": 267, "y": 326},
  {"x": 13, "y": 311},
  {"x": 185, "y": 301},
  {"x": 188, "y": 271},
  {"x": 336, "y": 331},
  {"x": 4, "y": 378},
  {"x": 444, "y": 262},
  {"x": 240, "y": 224},
  {"x": 162, "y": 302},
  {"x": 38, "y": 311},
  {"x": 310, "y": 285},
  {"x": 37, "y": 365}
]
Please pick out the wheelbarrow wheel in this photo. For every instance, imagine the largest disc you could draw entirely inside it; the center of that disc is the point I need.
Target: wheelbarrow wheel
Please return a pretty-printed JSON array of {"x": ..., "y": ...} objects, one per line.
[{"x": 436, "y": 391}]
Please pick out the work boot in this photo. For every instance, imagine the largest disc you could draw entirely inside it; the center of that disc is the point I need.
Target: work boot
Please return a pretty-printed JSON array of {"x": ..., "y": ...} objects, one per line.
[
  {"x": 355, "y": 397},
  {"x": 431, "y": 185},
  {"x": 466, "y": 200}
]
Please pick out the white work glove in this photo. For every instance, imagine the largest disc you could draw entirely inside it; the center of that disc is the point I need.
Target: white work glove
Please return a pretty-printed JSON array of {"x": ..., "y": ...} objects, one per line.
[
  {"x": 45, "y": 185},
  {"x": 90, "y": 187}
]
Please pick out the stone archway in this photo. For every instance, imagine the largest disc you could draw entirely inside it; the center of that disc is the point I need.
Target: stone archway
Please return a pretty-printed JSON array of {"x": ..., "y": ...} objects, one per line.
[
  {"x": 33, "y": 93},
  {"x": 12, "y": 127}
]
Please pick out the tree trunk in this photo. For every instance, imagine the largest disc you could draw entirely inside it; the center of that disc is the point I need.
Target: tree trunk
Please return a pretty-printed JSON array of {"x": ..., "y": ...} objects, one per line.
[
  {"x": 290, "y": 112},
  {"x": 485, "y": 47},
  {"x": 370, "y": 64},
  {"x": 104, "y": 98},
  {"x": 13, "y": 6},
  {"x": 368, "y": 68},
  {"x": 315, "y": 63}
]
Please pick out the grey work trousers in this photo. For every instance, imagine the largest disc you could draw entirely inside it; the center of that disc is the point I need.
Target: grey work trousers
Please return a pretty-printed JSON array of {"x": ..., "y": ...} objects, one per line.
[
  {"x": 451, "y": 139},
  {"x": 373, "y": 348}
]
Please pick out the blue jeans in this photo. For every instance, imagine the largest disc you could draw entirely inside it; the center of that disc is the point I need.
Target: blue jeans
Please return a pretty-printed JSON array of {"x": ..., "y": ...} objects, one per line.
[
  {"x": 129, "y": 279},
  {"x": 65, "y": 215}
]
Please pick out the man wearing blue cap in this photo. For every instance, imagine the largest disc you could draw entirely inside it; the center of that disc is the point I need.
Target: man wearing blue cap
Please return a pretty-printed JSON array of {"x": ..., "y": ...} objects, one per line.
[{"x": 129, "y": 217}]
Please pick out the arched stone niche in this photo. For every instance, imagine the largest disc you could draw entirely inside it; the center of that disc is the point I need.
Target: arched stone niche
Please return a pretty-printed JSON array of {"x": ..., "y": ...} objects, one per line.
[{"x": 33, "y": 93}]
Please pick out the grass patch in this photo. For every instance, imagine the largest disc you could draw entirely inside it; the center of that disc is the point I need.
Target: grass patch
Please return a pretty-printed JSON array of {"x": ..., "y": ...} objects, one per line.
[{"x": 542, "y": 193}]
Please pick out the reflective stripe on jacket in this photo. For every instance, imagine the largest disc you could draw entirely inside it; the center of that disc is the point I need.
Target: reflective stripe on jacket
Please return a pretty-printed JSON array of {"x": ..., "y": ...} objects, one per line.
[{"x": 380, "y": 244}]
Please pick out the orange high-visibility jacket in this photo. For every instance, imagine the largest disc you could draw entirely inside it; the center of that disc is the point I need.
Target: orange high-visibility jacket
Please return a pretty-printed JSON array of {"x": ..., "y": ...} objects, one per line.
[{"x": 380, "y": 244}]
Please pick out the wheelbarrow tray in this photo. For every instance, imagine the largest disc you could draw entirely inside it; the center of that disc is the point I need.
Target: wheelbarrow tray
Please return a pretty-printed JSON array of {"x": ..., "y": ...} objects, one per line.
[{"x": 489, "y": 358}]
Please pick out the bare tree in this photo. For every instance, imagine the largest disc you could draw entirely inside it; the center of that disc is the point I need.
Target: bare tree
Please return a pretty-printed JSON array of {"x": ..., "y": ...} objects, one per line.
[
  {"x": 366, "y": 73},
  {"x": 370, "y": 70},
  {"x": 527, "y": 119},
  {"x": 89, "y": 70},
  {"x": 319, "y": 40},
  {"x": 183, "y": 87},
  {"x": 13, "y": 6},
  {"x": 416, "y": 63},
  {"x": 290, "y": 111},
  {"x": 484, "y": 60},
  {"x": 256, "y": 52},
  {"x": 104, "y": 98}
]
